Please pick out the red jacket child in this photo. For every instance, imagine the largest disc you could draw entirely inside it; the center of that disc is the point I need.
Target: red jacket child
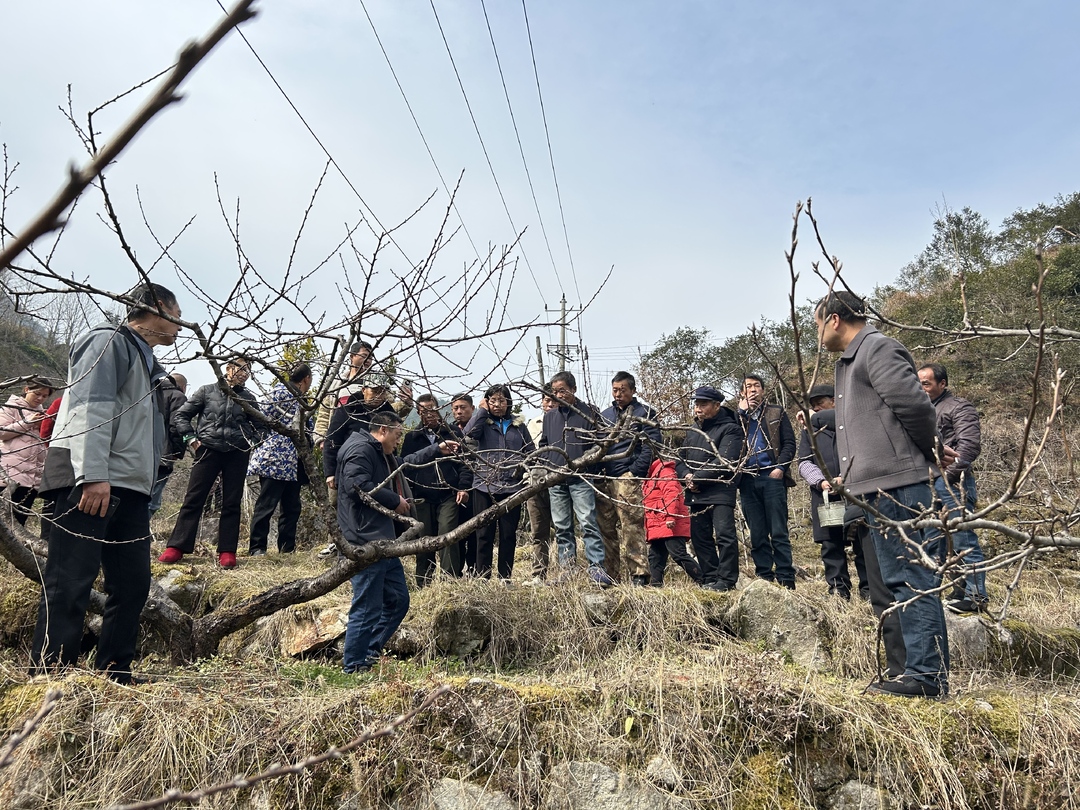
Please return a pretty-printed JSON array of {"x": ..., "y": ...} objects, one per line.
[{"x": 666, "y": 514}]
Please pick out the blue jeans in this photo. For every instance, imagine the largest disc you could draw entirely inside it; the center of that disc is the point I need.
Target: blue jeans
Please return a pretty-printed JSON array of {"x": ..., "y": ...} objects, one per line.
[
  {"x": 964, "y": 541},
  {"x": 922, "y": 623},
  {"x": 764, "y": 505},
  {"x": 158, "y": 490},
  {"x": 379, "y": 604},
  {"x": 576, "y": 497}
]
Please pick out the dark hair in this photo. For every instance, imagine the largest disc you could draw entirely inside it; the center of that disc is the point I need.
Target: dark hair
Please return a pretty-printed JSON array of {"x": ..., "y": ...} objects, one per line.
[
  {"x": 503, "y": 390},
  {"x": 37, "y": 383},
  {"x": 846, "y": 304},
  {"x": 382, "y": 419},
  {"x": 940, "y": 373},
  {"x": 238, "y": 359},
  {"x": 428, "y": 398},
  {"x": 148, "y": 300},
  {"x": 465, "y": 397},
  {"x": 299, "y": 372},
  {"x": 359, "y": 346},
  {"x": 626, "y": 377},
  {"x": 565, "y": 377},
  {"x": 752, "y": 376}
]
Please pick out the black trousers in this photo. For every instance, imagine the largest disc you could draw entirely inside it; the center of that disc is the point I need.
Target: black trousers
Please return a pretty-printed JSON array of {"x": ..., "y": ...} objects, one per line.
[
  {"x": 72, "y": 567},
  {"x": 674, "y": 547},
  {"x": 22, "y": 503},
  {"x": 485, "y": 538},
  {"x": 712, "y": 533},
  {"x": 467, "y": 547},
  {"x": 272, "y": 493},
  {"x": 232, "y": 466},
  {"x": 834, "y": 558},
  {"x": 439, "y": 516}
]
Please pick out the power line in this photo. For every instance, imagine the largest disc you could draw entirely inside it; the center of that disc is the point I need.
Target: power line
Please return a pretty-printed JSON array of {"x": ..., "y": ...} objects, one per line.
[
  {"x": 322, "y": 146},
  {"x": 423, "y": 138},
  {"x": 370, "y": 213},
  {"x": 483, "y": 145},
  {"x": 521, "y": 149},
  {"x": 551, "y": 156}
]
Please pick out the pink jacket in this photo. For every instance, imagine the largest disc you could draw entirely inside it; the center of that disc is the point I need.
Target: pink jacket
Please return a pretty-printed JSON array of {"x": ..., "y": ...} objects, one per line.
[{"x": 22, "y": 452}]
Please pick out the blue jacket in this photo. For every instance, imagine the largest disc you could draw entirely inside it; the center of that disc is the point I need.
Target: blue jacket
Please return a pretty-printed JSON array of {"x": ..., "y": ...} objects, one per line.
[
  {"x": 446, "y": 476},
  {"x": 570, "y": 432},
  {"x": 503, "y": 446},
  {"x": 362, "y": 464},
  {"x": 640, "y": 441}
]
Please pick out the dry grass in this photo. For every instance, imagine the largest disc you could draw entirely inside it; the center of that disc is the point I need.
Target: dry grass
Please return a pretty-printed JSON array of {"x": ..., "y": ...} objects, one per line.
[
  {"x": 570, "y": 674},
  {"x": 650, "y": 674}
]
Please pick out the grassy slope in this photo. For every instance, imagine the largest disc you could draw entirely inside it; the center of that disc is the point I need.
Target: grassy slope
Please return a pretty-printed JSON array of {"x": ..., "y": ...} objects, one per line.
[{"x": 659, "y": 677}]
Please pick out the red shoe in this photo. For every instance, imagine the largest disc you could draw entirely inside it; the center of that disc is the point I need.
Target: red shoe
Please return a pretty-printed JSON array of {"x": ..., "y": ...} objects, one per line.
[
  {"x": 226, "y": 560},
  {"x": 171, "y": 555}
]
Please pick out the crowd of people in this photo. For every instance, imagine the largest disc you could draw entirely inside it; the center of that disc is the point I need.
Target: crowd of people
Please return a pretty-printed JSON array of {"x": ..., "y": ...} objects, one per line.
[{"x": 887, "y": 432}]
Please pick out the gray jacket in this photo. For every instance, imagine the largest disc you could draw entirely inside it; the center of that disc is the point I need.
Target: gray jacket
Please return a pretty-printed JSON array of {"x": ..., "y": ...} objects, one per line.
[
  {"x": 958, "y": 423},
  {"x": 108, "y": 427},
  {"x": 886, "y": 427}
]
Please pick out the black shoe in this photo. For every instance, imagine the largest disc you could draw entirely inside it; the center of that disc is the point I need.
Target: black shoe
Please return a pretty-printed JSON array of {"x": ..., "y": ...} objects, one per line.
[
  {"x": 719, "y": 587},
  {"x": 641, "y": 580},
  {"x": 965, "y": 605},
  {"x": 904, "y": 686},
  {"x": 787, "y": 583}
]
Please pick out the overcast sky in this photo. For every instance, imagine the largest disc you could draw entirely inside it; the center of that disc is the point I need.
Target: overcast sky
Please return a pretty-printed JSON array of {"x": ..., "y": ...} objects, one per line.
[{"x": 682, "y": 135}]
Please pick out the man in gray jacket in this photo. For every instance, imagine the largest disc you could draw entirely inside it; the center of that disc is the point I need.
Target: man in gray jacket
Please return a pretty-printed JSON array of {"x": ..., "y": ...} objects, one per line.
[
  {"x": 960, "y": 429},
  {"x": 886, "y": 433},
  {"x": 102, "y": 460}
]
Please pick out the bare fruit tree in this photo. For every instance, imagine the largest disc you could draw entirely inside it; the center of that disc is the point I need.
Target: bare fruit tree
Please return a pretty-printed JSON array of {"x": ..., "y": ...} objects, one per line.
[
  {"x": 438, "y": 324},
  {"x": 1028, "y": 510}
]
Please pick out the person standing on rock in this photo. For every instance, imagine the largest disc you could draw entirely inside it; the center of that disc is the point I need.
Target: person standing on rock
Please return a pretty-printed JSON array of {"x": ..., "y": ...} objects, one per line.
[
  {"x": 22, "y": 452},
  {"x": 368, "y": 469},
  {"x": 886, "y": 435},
  {"x": 103, "y": 456}
]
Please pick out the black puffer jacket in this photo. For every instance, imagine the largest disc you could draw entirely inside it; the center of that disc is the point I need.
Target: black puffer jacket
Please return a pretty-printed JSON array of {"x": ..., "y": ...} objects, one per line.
[
  {"x": 346, "y": 420},
  {"x": 217, "y": 420},
  {"x": 711, "y": 453},
  {"x": 170, "y": 400}
]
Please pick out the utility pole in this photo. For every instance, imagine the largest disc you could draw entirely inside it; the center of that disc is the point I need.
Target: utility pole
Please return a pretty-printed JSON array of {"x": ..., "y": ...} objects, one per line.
[
  {"x": 561, "y": 350},
  {"x": 540, "y": 361}
]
